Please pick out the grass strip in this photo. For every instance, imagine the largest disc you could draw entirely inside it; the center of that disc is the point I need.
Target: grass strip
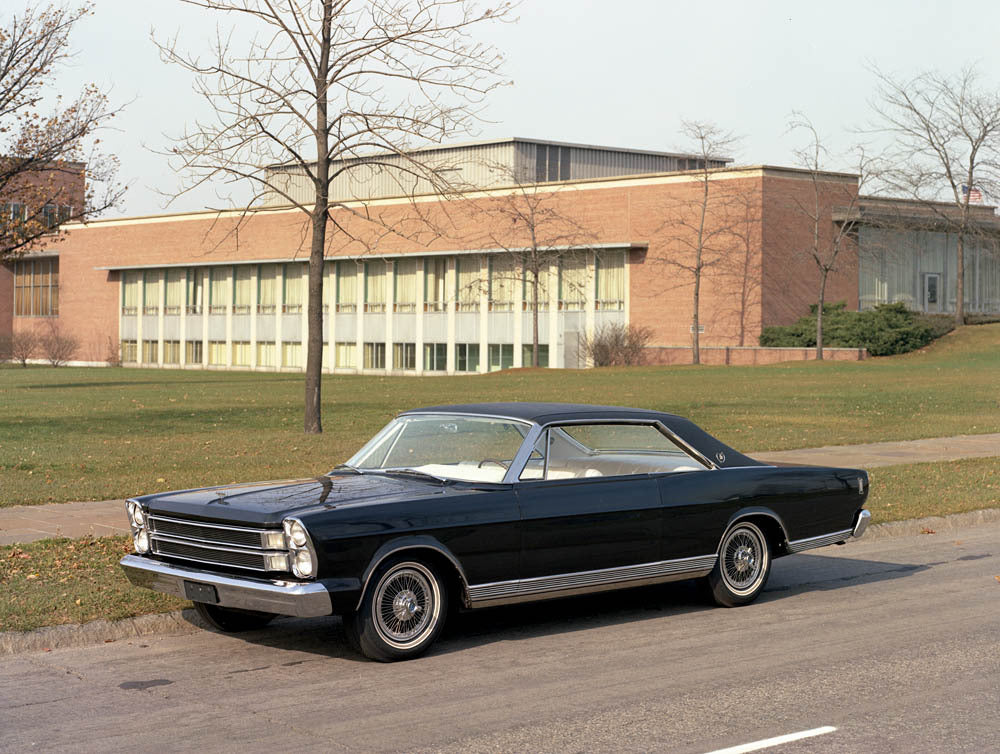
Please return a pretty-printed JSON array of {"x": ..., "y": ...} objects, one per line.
[{"x": 55, "y": 581}]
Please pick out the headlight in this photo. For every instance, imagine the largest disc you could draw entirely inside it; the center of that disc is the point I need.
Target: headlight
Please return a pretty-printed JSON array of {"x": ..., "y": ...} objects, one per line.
[
  {"x": 303, "y": 564},
  {"x": 138, "y": 519},
  {"x": 300, "y": 548},
  {"x": 141, "y": 541}
]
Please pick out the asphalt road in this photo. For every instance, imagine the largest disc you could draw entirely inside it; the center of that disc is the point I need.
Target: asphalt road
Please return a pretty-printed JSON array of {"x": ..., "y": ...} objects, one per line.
[{"x": 895, "y": 643}]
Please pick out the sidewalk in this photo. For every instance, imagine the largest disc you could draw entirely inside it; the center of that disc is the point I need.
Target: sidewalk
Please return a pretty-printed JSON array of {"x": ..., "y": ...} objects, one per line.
[{"x": 26, "y": 523}]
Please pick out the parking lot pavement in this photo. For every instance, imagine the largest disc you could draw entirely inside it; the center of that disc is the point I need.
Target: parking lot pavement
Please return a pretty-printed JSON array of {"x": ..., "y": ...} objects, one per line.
[
  {"x": 26, "y": 523},
  {"x": 892, "y": 642}
]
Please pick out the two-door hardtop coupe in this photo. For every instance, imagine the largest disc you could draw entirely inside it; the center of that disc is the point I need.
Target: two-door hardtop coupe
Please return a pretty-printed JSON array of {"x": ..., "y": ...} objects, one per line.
[{"x": 484, "y": 505}]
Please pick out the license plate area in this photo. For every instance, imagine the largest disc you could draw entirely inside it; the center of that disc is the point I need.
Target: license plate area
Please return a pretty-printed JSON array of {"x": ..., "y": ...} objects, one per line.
[{"x": 201, "y": 592}]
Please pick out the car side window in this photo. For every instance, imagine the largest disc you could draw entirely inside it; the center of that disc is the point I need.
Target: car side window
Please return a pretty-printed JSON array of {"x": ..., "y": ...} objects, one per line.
[{"x": 574, "y": 451}]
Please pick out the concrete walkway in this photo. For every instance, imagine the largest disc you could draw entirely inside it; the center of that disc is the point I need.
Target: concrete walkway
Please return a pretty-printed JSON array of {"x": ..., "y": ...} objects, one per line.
[{"x": 26, "y": 523}]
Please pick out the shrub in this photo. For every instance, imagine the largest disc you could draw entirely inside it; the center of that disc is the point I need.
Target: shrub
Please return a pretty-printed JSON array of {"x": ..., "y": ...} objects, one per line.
[
  {"x": 23, "y": 346},
  {"x": 885, "y": 330},
  {"x": 113, "y": 352},
  {"x": 617, "y": 344},
  {"x": 58, "y": 347}
]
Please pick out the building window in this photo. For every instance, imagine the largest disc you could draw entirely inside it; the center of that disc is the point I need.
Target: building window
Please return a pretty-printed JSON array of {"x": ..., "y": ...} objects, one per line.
[
  {"x": 467, "y": 357},
  {"x": 36, "y": 288},
  {"x": 150, "y": 352},
  {"x": 543, "y": 355},
  {"x": 374, "y": 286},
  {"x": 241, "y": 353},
  {"x": 435, "y": 270},
  {"x": 572, "y": 284},
  {"x": 193, "y": 294},
  {"x": 609, "y": 269},
  {"x": 436, "y": 357},
  {"x": 242, "y": 280},
  {"x": 374, "y": 355},
  {"x": 217, "y": 352},
  {"x": 17, "y": 213},
  {"x": 175, "y": 291},
  {"x": 528, "y": 290},
  {"x": 130, "y": 292},
  {"x": 404, "y": 283},
  {"x": 294, "y": 277},
  {"x": 404, "y": 355},
  {"x": 129, "y": 353},
  {"x": 53, "y": 215},
  {"x": 193, "y": 351},
  {"x": 151, "y": 292},
  {"x": 291, "y": 354},
  {"x": 347, "y": 287},
  {"x": 503, "y": 276},
  {"x": 345, "y": 356},
  {"x": 218, "y": 291},
  {"x": 551, "y": 163},
  {"x": 501, "y": 356},
  {"x": 266, "y": 353},
  {"x": 268, "y": 277},
  {"x": 171, "y": 352},
  {"x": 468, "y": 283}
]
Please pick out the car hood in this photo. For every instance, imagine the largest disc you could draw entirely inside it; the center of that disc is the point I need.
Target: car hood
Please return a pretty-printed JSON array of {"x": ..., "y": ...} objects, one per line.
[{"x": 267, "y": 503}]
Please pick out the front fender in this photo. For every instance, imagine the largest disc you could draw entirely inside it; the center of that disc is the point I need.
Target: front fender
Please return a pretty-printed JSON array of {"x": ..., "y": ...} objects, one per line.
[{"x": 414, "y": 542}]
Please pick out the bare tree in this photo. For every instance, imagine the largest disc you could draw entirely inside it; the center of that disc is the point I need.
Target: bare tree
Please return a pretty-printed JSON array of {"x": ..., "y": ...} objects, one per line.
[
  {"x": 829, "y": 242},
  {"x": 527, "y": 225},
  {"x": 742, "y": 261},
  {"x": 694, "y": 225},
  {"x": 616, "y": 344},
  {"x": 325, "y": 82},
  {"x": 23, "y": 346},
  {"x": 51, "y": 169},
  {"x": 947, "y": 147},
  {"x": 59, "y": 347}
]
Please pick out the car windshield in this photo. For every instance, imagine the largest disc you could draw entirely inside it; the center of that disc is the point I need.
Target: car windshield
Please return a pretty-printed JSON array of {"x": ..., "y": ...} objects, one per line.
[{"x": 449, "y": 446}]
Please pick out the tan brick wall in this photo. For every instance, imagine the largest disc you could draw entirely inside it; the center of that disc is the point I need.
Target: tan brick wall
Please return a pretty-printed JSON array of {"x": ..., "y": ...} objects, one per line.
[
  {"x": 748, "y": 356},
  {"x": 6, "y": 301},
  {"x": 631, "y": 211}
]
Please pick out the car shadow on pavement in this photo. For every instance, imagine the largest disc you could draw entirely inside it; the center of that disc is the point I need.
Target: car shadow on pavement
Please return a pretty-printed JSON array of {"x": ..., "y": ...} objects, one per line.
[{"x": 325, "y": 637}]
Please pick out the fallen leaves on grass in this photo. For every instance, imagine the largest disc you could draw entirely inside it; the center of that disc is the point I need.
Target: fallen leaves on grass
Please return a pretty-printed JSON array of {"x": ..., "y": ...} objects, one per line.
[{"x": 927, "y": 530}]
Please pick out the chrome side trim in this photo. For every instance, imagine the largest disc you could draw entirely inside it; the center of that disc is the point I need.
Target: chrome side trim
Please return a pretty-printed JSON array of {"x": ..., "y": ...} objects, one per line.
[
  {"x": 565, "y": 584},
  {"x": 798, "y": 545},
  {"x": 303, "y": 599}
]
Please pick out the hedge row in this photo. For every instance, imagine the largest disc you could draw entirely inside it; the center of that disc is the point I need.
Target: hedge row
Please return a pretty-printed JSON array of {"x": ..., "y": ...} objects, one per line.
[{"x": 885, "y": 330}]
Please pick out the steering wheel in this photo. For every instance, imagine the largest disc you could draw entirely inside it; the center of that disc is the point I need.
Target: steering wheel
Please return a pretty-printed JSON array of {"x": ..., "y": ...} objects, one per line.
[{"x": 502, "y": 464}]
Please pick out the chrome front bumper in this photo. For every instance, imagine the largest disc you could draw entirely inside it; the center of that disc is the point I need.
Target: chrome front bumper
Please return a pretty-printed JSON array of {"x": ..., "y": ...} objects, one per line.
[
  {"x": 305, "y": 600},
  {"x": 864, "y": 517}
]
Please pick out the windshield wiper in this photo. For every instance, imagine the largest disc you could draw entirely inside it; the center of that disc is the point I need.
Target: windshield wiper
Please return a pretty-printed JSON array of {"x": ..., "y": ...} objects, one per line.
[
  {"x": 346, "y": 467},
  {"x": 417, "y": 473}
]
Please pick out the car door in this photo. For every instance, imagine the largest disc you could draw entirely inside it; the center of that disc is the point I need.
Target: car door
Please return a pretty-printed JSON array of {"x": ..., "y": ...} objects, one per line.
[{"x": 580, "y": 517}]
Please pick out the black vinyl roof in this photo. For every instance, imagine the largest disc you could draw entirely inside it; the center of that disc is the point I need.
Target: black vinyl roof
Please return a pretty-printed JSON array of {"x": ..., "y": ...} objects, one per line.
[{"x": 548, "y": 413}]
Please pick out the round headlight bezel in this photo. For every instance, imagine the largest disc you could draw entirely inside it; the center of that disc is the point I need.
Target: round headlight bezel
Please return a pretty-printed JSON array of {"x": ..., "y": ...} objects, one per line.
[{"x": 300, "y": 549}]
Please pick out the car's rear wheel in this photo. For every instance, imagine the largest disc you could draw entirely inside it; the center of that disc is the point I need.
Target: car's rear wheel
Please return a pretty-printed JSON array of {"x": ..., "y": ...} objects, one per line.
[
  {"x": 743, "y": 565},
  {"x": 232, "y": 620},
  {"x": 402, "y": 612}
]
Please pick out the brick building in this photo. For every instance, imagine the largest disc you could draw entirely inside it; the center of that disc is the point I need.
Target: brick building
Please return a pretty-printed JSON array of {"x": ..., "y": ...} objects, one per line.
[{"x": 427, "y": 288}]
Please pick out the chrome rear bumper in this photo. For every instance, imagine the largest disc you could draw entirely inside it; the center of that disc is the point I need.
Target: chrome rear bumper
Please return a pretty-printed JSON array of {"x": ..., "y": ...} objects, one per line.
[
  {"x": 305, "y": 600},
  {"x": 864, "y": 517}
]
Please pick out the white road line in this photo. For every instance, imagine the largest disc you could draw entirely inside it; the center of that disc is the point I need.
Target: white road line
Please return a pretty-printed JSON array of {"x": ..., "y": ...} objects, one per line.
[{"x": 776, "y": 741}]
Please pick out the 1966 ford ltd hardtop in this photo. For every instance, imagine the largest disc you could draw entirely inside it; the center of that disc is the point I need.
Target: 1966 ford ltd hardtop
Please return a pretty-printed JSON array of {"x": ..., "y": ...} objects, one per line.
[{"x": 488, "y": 504}]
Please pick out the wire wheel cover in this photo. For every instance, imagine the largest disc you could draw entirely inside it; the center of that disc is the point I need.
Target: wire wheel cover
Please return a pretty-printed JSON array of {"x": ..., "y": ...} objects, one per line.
[
  {"x": 406, "y": 605},
  {"x": 744, "y": 559}
]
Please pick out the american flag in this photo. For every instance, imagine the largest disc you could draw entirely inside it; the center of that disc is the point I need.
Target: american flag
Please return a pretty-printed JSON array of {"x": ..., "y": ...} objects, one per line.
[{"x": 975, "y": 195}]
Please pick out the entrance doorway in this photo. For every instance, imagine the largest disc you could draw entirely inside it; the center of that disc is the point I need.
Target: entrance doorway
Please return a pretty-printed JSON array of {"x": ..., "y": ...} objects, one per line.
[{"x": 932, "y": 292}]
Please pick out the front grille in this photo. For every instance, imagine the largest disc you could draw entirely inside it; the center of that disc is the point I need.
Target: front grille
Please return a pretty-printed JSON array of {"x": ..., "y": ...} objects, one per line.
[{"x": 216, "y": 544}]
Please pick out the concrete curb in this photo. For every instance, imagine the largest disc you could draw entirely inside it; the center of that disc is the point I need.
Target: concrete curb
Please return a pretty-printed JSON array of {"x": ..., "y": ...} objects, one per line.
[
  {"x": 187, "y": 621},
  {"x": 935, "y": 524},
  {"x": 99, "y": 631}
]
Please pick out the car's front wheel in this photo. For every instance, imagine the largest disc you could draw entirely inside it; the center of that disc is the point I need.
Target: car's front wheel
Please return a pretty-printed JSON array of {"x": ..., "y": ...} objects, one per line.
[
  {"x": 402, "y": 612},
  {"x": 743, "y": 565},
  {"x": 232, "y": 620}
]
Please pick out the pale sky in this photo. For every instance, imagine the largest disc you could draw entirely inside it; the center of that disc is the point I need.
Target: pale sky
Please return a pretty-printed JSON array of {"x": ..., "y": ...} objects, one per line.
[{"x": 617, "y": 74}]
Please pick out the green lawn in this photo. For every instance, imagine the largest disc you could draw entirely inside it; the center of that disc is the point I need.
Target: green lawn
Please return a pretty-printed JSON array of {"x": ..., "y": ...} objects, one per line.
[{"x": 80, "y": 434}]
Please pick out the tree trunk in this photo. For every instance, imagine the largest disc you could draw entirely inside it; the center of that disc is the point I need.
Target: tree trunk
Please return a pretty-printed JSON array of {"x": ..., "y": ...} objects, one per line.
[
  {"x": 313, "y": 420},
  {"x": 819, "y": 314},
  {"x": 695, "y": 341},
  {"x": 534, "y": 323},
  {"x": 959, "y": 280}
]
